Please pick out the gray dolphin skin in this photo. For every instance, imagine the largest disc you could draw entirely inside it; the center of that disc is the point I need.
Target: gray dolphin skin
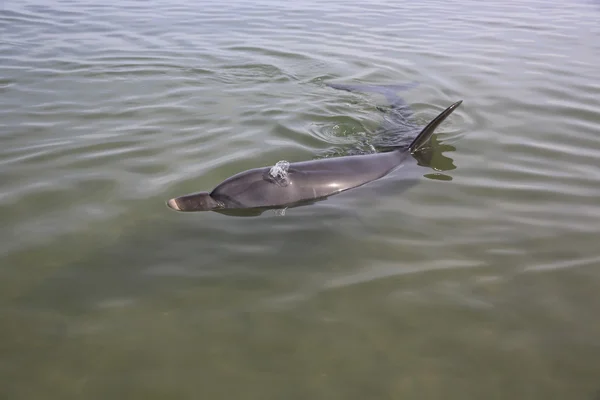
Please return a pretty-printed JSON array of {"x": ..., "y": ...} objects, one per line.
[{"x": 293, "y": 184}]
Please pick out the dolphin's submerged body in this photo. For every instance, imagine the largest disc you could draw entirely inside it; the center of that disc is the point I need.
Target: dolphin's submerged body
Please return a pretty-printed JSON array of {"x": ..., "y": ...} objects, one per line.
[{"x": 291, "y": 184}]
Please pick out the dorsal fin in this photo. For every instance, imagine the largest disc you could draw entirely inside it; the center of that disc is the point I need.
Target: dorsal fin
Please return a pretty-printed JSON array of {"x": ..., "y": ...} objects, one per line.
[{"x": 423, "y": 137}]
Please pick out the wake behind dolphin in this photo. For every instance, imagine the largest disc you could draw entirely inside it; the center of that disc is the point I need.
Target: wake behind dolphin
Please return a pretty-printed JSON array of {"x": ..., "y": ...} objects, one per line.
[{"x": 293, "y": 184}]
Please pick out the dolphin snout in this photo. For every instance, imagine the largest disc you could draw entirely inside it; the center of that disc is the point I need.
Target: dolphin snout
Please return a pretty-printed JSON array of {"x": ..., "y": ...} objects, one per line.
[{"x": 173, "y": 204}]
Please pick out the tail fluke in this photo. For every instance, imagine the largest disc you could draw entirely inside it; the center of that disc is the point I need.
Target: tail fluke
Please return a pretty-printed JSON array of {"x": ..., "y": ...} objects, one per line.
[
  {"x": 423, "y": 137},
  {"x": 389, "y": 91}
]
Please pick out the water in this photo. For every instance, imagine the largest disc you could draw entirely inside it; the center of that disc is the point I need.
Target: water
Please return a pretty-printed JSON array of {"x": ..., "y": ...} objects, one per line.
[{"x": 483, "y": 286}]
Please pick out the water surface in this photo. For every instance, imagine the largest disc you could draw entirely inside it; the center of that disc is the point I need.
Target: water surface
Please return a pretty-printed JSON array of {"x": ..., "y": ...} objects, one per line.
[{"x": 483, "y": 286}]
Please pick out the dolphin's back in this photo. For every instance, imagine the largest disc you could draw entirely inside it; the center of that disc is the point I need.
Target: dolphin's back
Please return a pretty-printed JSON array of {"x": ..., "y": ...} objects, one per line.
[
  {"x": 305, "y": 181},
  {"x": 334, "y": 175}
]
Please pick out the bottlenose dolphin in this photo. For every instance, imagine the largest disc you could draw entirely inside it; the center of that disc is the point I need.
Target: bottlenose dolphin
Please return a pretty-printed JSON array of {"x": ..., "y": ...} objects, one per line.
[{"x": 292, "y": 184}]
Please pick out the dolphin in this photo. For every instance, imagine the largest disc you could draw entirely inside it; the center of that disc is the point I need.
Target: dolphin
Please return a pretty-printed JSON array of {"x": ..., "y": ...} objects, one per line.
[{"x": 299, "y": 183}]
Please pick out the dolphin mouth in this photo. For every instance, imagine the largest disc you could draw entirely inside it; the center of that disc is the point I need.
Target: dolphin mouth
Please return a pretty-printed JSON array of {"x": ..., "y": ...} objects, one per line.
[
  {"x": 194, "y": 202},
  {"x": 201, "y": 201},
  {"x": 173, "y": 204}
]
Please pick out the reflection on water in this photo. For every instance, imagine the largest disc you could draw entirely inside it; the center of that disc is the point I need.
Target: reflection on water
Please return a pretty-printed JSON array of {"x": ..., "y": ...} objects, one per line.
[{"x": 414, "y": 286}]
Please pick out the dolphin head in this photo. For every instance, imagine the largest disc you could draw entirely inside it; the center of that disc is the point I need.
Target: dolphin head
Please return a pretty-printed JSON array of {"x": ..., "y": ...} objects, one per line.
[{"x": 201, "y": 201}]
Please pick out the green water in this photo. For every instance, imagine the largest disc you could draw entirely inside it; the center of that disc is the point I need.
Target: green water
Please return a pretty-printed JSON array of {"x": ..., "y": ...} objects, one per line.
[{"x": 486, "y": 286}]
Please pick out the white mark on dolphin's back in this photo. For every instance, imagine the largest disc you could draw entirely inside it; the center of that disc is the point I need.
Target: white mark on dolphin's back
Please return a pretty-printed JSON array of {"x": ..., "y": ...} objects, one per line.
[
  {"x": 280, "y": 169},
  {"x": 279, "y": 172}
]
